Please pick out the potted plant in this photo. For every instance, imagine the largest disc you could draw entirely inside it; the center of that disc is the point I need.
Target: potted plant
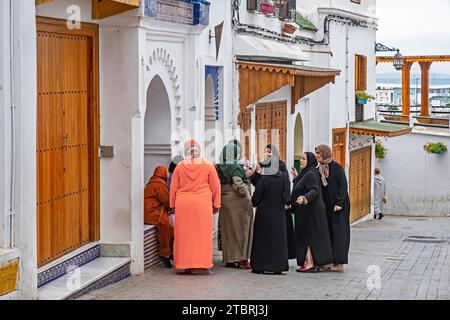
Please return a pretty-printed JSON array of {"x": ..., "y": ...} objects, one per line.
[
  {"x": 289, "y": 28},
  {"x": 363, "y": 97},
  {"x": 436, "y": 148},
  {"x": 380, "y": 151},
  {"x": 267, "y": 7}
]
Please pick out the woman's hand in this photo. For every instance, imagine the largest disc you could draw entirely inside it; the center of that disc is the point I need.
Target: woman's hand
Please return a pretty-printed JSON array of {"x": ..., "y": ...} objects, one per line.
[
  {"x": 249, "y": 173},
  {"x": 294, "y": 172},
  {"x": 302, "y": 200},
  {"x": 337, "y": 208},
  {"x": 215, "y": 210},
  {"x": 258, "y": 168}
]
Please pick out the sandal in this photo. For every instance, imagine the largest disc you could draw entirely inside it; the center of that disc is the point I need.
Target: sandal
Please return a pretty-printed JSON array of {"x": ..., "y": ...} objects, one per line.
[
  {"x": 244, "y": 264},
  {"x": 308, "y": 270}
]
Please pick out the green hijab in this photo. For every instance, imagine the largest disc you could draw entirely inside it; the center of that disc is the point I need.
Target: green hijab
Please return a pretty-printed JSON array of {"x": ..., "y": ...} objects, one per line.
[{"x": 229, "y": 163}]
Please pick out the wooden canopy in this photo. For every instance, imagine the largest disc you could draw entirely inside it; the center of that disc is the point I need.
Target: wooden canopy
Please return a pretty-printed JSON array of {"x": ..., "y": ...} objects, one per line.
[
  {"x": 257, "y": 80},
  {"x": 379, "y": 129}
]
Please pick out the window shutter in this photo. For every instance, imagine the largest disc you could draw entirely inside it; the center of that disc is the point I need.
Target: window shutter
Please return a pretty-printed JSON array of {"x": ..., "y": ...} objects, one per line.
[{"x": 363, "y": 73}]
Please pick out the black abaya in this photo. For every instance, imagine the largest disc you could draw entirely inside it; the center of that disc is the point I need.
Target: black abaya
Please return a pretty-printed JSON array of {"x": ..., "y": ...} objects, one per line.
[
  {"x": 311, "y": 226},
  {"x": 336, "y": 194},
  {"x": 269, "y": 246}
]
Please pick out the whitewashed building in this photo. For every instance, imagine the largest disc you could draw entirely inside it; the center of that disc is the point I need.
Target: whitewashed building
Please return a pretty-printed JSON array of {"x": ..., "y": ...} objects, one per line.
[
  {"x": 303, "y": 83},
  {"x": 94, "y": 94}
]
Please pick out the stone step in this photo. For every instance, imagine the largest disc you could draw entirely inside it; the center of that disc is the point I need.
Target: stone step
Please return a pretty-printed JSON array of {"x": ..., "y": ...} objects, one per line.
[{"x": 94, "y": 275}]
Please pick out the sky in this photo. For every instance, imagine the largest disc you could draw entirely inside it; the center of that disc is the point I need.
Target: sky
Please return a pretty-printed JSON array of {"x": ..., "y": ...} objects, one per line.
[{"x": 416, "y": 27}]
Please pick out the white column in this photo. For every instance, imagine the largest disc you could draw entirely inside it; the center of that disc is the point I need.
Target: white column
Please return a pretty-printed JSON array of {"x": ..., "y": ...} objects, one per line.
[{"x": 24, "y": 84}]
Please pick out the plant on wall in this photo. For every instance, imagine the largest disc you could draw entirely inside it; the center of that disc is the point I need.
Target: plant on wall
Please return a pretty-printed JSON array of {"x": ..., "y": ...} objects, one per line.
[
  {"x": 363, "y": 97},
  {"x": 380, "y": 150},
  {"x": 436, "y": 148}
]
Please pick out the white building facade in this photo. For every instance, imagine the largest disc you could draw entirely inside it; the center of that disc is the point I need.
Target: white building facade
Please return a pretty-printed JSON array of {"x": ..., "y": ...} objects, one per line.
[
  {"x": 331, "y": 36},
  {"x": 154, "y": 80}
]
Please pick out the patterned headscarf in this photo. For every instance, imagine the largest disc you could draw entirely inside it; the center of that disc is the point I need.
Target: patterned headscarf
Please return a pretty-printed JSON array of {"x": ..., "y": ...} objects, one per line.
[
  {"x": 327, "y": 157},
  {"x": 192, "y": 148}
]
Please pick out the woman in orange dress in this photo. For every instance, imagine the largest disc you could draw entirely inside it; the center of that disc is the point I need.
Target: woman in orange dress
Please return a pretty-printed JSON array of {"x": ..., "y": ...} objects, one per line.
[
  {"x": 156, "y": 208},
  {"x": 195, "y": 195}
]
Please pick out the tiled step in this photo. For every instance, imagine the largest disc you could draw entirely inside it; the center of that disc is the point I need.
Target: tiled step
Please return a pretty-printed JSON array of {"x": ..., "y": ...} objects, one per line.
[
  {"x": 93, "y": 275},
  {"x": 151, "y": 256}
]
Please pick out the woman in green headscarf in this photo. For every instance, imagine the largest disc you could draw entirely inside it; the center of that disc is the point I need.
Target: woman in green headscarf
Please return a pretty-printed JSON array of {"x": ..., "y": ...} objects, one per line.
[{"x": 236, "y": 213}]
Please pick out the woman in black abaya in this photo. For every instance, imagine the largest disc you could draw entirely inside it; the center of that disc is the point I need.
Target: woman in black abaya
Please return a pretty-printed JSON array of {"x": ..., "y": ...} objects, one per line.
[{"x": 312, "y": 239}]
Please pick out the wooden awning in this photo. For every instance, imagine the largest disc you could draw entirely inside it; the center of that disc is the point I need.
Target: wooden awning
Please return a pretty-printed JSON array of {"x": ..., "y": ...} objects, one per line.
[
  {"x": 106, "y": 8},
  {"x": 379, "y": 129},
  {"x": 257, "y": 80}
]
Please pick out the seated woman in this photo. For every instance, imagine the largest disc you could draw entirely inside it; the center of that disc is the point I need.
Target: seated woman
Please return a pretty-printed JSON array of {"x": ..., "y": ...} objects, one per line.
[
  {"x": 156, "y": 208},
  {"x": 312, "y": 239}
]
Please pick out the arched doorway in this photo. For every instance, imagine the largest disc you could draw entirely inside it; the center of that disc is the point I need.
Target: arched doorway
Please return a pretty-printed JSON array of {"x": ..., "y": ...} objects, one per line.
[
  {"x": 298, "y": 141},
  {"x": 210, "y": 120},
  {"x": 157, "y": 130}
]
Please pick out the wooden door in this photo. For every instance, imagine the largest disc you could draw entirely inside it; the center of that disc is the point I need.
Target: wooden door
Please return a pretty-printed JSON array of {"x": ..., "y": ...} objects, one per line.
[
  {"x": 270, "y": 116},
  {"x": 360, "y": 182},
  {"x": 263, "y": 125},
  {"x": 339, "y": 146},
  {"x": 67, "y": 138}
]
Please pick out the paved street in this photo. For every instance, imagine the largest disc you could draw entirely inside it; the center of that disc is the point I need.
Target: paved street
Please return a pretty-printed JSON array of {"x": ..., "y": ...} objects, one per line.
[{"x": 409, "y": 270}]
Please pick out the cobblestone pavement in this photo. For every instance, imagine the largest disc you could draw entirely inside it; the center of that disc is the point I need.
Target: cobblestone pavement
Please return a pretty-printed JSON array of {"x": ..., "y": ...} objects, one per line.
[{"x": 408, "y": 270}]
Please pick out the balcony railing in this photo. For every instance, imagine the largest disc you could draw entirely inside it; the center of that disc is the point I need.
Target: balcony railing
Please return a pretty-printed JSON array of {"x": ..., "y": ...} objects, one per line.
[
  {"x": 192, "y": 12},
  {"x": 283, "y": 9}
]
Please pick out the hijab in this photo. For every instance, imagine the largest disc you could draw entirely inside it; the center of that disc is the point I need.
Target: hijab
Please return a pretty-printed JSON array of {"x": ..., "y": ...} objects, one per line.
[
  {"x": 327, "y": 157},
  {"x": 229, "y": 163},
  {"x": 310, "y": 165},
  {"x": 271, "y": 165}
]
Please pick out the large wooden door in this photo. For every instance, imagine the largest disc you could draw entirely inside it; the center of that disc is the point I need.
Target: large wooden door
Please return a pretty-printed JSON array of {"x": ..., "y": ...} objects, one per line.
[
  {"x": 67, "y": 138},
  {"x": 360, "y": 182},
  {"x": 270, "y": 116}
]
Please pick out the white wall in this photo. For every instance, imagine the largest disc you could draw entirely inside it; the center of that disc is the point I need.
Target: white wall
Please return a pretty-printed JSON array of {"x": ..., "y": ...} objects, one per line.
[
  {"x": 20, "y": 92},
  {"x": 361, "y": 41},
  {"x": 418, "y": 184},
  {"x": 58, "y": 9},
  {"x": 5, "y": 101}
]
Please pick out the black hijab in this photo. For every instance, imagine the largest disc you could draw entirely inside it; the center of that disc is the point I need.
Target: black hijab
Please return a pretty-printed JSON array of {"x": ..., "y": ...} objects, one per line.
[
  {"x": 271, "y": 165},
  {"x": 311, "y": 165}
]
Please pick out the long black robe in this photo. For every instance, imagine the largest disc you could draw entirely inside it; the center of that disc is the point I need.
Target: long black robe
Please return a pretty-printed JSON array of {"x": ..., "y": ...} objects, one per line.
[
  {"x": 336, "y": 193},
  {"x": 269, "y": 246},
  {"x": 289, "y": 222},
  {"x": 311, "y": 226}
]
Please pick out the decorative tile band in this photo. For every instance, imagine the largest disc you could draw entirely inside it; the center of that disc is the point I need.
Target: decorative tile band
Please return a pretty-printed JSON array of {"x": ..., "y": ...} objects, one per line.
[
  {"x": 120, "y": 274},
  {"x": 61, "y": 269},
  {"x": 151, "y": 254}
]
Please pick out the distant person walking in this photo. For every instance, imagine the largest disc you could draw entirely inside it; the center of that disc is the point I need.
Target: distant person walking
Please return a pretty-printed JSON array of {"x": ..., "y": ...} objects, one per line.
[
  {"x": 337, "y": 203},
  {"x": 380, "y": 194},
  {"x": 195, "y": 196}
]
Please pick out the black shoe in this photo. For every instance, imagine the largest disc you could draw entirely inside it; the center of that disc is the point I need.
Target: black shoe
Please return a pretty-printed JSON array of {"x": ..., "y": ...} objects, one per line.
[
  {"x": 374, "y": 216},
  {"x": 257, "y": 271},
  {"x": 381, "y": 216},
  {"x": 166, "y": 262}
]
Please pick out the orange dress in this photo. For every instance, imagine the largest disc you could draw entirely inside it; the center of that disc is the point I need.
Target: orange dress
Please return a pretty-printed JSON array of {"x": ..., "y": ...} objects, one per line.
[
  {"x": 194, "y": 191},
  {"x": 156, "y": 206}
]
